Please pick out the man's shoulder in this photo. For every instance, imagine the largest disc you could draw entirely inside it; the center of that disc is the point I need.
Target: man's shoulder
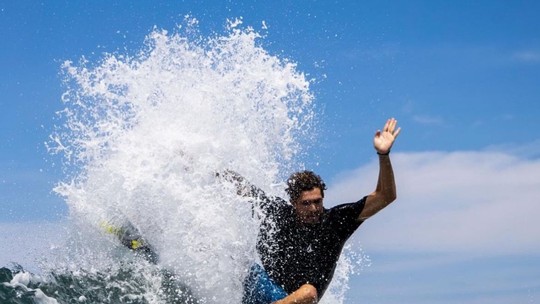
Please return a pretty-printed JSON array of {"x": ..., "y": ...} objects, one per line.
[
  {"x": 275, "y": 205},
  {"x": 358, "y": 204},
  {"x": 352, "y": 209},
  {"x": 343, "y": 219}
]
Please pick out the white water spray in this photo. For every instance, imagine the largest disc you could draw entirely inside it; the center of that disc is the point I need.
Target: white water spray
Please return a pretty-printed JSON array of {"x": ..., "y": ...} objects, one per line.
[{"x": 146, "y": 134}]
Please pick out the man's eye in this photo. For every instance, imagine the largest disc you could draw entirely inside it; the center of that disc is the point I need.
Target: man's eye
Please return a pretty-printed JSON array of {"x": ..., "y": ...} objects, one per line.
[{"x": 309, "y": 202}]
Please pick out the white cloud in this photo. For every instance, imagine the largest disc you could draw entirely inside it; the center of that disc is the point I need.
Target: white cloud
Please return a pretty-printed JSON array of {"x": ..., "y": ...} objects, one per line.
[
  {"x": 409, "y": 107},
  {"x": 530, "y": 56},
  {"x": 527, "y": 150},
  {"x": 428, "y": 120},
  {"x": 483, "y": 203},
  {"x": 386, "y": 52}
]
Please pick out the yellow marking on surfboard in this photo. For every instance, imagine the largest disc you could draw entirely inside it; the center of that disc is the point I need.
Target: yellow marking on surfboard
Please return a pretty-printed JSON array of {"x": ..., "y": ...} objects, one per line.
[
  {"x": 136, "y": 244},
  {"x": 110, "y": 229}
]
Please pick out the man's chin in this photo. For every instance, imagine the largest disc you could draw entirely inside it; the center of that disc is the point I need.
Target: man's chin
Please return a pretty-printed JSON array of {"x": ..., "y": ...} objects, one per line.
[{"x": 311, "y": 220}]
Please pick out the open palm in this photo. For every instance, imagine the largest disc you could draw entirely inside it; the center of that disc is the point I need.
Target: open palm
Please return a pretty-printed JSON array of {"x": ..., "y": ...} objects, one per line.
[{"x": 384, "y": 139}]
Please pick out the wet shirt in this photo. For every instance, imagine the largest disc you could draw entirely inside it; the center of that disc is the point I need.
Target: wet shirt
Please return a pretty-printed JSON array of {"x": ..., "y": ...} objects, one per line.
[{"x": 294, "y": 254}]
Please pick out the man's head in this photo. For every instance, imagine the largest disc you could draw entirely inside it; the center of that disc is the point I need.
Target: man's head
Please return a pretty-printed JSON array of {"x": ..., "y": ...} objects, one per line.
[{"x": 306, "y": 192}]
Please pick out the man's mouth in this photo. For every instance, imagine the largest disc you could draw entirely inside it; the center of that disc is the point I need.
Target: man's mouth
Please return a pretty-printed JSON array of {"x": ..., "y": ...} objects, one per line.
[{"x": 312, "y": 218}]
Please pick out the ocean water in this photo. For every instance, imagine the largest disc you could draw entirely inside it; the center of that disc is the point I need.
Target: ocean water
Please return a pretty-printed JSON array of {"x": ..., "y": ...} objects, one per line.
[{"x": 142, "y": 137}]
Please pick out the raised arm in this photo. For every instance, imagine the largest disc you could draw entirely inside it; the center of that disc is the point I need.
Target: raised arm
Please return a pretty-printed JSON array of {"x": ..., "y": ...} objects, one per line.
[
  {"x": 385, "y": 192},
  {"x": 243, "y": 187}
]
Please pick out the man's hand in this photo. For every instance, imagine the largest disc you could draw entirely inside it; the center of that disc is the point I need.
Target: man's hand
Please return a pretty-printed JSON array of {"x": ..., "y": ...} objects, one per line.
[
  {"x": 384, "y": 139},
  {"x": 243, "y": 187},
  {"x": 230, "y": 176}
]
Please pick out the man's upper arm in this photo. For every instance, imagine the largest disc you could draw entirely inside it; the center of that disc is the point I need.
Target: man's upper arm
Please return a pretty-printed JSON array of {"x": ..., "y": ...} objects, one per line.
[
  {"x": 345, "y": 217},
  {"x": 375, "y": 202}
]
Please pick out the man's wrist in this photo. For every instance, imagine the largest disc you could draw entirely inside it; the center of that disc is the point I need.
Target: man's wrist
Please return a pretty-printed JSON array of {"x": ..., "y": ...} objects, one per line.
[{"x": 384, "y": 154}]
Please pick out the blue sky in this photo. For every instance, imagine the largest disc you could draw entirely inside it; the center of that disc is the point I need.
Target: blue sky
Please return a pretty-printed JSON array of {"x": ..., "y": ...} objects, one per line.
[{"x": 462, "y": 78}]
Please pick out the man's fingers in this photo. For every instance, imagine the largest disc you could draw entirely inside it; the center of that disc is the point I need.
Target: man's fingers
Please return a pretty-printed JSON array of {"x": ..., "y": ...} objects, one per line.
[
  {"x": 386, "y": 126},
  {"x": 390, "y": 125},
  {"x": 397, "y": 133}
]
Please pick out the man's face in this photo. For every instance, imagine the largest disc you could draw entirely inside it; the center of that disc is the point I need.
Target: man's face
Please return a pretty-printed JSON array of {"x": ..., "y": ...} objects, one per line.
[{"x": 309, "y": 206}]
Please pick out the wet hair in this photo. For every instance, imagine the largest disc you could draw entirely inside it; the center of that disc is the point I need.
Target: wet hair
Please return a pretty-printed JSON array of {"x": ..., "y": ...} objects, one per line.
[{"x": 302, "y": 181}]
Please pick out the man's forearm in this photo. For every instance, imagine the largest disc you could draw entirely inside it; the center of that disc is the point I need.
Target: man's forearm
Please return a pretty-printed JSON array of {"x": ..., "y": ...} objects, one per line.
[
  {"x": 384, "y": 193},
  {"x": 386, "y": 185},
  {"x": 243, "y": 187}
]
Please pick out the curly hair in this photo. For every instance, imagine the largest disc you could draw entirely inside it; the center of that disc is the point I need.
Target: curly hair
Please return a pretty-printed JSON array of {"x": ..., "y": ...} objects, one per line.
[{"x": 302, "y": 181}]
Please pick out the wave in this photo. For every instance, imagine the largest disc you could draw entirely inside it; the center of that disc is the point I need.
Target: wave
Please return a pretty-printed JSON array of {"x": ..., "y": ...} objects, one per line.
[{"x": 142, "y": 136}]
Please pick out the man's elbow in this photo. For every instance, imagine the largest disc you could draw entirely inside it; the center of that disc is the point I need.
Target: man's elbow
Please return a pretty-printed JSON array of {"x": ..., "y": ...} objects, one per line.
[
  {"x": 386, "y": 194},
  {"x": 389, "y": 198}
]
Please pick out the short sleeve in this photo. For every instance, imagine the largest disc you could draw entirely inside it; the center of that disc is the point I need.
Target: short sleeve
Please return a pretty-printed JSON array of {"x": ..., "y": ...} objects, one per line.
[{"x": 344, "y": 218}]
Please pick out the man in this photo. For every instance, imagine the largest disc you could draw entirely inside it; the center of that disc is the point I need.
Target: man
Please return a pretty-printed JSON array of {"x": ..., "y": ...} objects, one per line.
[{"x": 299, "y": 243}]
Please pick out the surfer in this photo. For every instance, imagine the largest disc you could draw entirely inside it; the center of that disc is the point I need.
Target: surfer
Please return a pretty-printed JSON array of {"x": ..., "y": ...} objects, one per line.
[{"x": 299, "y": 243}]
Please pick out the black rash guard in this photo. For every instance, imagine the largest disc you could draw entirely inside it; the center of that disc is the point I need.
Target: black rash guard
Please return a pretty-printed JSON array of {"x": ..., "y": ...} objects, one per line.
[{"x": 293, "y": 253}]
